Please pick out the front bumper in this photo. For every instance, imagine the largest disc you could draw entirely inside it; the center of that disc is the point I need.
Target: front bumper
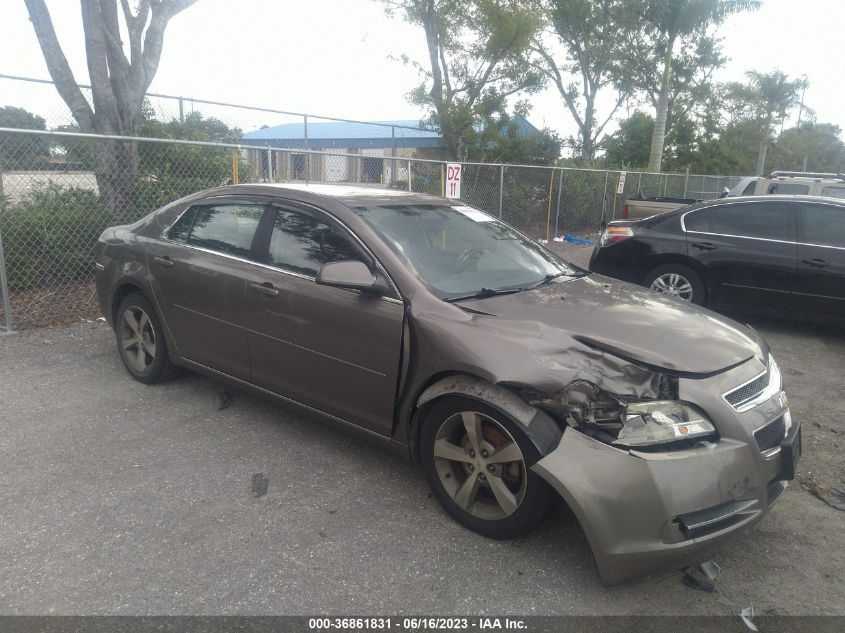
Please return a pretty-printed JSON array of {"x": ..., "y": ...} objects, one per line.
[{"x": 645, "y": 512}]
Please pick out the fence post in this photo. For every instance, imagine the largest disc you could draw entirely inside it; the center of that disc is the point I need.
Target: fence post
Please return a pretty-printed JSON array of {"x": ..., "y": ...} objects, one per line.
[
  {"x": 604, "y": 198},
  {"x": 686, "y": 181},
  {"x": 501, "y": 187},
  {"x": 410, "y": 188},
  {"x": 443, "y": 180},
  {"x": 8, "y": 328},
  {"x": 392, "y": 154},
  {"x": 557, "y": 211},
  {"x": 549, "y": 213},
  {"x": 305, "y": 145},
  {"x": 234, "y": 166},
  {"x": 269, "y": 165},
  {"x": 181, "y": 110}
]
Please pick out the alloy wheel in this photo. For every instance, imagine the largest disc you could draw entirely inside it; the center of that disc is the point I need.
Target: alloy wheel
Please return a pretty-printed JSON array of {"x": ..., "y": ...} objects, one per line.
[
  {"x": 137, "y": 339},
  {"x": 480, "y": 465},
  {"x": 674, "y": 285}
]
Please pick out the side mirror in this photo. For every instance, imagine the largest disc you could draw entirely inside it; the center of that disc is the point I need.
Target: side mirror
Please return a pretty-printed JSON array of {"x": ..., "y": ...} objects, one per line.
[
  {"x": 725, "y": 193},
  {"x": 349, "y": 274}
]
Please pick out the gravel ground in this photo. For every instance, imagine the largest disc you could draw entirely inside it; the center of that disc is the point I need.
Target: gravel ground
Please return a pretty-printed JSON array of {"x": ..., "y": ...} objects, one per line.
[{"x": 119, "y": 498}]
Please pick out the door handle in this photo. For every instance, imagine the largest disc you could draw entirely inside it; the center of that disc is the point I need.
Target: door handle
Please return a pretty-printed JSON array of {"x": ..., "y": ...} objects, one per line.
[
  {"x": 164, "y": 260},
  {"x": 265, "y": 289},
  {"x": 815, "y": 263},
  {"x": 704, "y": 246}
]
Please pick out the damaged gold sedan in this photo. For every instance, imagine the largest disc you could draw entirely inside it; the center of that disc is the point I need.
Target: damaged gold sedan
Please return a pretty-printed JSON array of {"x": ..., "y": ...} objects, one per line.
[{"x": 509, "y": 374}]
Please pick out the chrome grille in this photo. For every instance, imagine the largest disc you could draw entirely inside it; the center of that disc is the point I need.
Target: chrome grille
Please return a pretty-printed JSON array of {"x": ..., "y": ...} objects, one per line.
[
  {"x": 748, "y": 391},
  {"x": 771, "y": 435}
]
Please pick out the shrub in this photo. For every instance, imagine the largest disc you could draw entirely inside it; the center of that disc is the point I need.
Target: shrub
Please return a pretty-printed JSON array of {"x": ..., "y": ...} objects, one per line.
[{"x": 49, "y": 237}]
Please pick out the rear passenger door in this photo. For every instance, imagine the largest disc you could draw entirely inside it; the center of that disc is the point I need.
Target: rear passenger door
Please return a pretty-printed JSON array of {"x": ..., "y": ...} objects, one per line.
[
  {"x": 199, "y": 272},
  {"x": 748, "y": 250},
  {"x": 820, "y": 290}
]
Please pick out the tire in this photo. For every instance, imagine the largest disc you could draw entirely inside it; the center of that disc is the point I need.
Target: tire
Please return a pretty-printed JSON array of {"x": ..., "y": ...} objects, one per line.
[
  {"x": 145, "y": 357},
  {"x": 679, "y": 281},
  {"x": 485, "y": 509}
]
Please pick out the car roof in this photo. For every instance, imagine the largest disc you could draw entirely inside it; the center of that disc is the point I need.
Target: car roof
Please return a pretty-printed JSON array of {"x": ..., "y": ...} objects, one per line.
[
  {"x": 761, "y": 199},
  {"x": 349, "y": 195}
]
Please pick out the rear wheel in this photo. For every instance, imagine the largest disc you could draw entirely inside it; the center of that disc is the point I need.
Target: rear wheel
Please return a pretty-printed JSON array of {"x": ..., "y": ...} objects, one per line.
[
  {"x": 677, "y": 280},
  {"x": 140, "y": 340},
  {"x": 476, "y": 461}
]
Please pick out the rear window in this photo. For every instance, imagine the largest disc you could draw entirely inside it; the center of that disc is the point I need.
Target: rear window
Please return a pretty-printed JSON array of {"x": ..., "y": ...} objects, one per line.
[
  {"x": 834, "y": 192},
  {"x": 824, "y": 225},
  {"x": 788, "y": 188},
  {"x": 227, "y": 228}
]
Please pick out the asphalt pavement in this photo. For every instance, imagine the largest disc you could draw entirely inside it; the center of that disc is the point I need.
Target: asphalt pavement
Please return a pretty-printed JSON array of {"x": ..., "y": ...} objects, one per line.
[{"x": 121, "y": 498}]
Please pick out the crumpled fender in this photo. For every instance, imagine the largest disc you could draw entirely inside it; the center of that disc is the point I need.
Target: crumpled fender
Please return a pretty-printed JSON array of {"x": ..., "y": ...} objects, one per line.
[{"x": 543, "y": 432}]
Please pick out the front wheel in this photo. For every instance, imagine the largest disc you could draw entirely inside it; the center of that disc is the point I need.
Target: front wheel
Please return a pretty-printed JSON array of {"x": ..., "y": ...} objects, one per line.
[{"x": 476, "y": 461}]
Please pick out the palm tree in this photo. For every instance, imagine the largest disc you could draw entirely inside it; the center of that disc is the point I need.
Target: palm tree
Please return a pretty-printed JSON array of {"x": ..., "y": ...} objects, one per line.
[
  {"x": 773, "y": 95},
  {"x": 672, "y": 20}
]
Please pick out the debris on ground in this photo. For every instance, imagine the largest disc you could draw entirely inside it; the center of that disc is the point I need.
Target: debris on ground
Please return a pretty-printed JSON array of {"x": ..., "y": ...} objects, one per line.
[
  {"x": 226, "y": 400},
  {"x": 745, "y": 615},
  {"x": 259, "y": 484},
  {"x": 831, "y": 496},
  {"x": 710, "y": 569}
]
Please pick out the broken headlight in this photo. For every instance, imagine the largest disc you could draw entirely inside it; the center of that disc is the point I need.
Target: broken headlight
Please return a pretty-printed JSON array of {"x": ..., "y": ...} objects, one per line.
[{"x": 660, "y": 422}]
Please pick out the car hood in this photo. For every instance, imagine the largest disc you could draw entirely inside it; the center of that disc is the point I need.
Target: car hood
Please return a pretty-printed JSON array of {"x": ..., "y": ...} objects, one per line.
[{"x": 630, "y": 322}]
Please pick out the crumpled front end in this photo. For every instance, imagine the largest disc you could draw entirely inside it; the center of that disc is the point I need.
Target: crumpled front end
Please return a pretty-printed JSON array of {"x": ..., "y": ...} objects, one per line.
[{"x": 644, "y": 510}]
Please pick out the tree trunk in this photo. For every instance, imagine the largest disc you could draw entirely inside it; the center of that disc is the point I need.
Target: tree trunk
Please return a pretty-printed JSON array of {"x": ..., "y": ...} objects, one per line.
[
  {"x": 116, "y": 172},
  {"x": 761, "y": 157},
  {"x": 764, "y": 146},
  {"x": 658, "y": 138}
]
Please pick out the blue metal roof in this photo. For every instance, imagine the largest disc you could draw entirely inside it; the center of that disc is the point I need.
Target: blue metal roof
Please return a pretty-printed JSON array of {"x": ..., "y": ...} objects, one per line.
[{"x": 341, "y": 134}]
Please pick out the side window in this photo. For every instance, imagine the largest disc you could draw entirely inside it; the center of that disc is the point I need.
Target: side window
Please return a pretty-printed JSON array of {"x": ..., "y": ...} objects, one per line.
[
  {"x": 749, "y": 188},
  {"x": 228, "y": 228},
  {"x": 698, "y": 221},
  {"x": 788, "y": 188},
  {"x": 765, "y": 220},
  {"x": 302, "y": 244},
  {"x": 824, "y": 225},
  {"x": 179, "y": 231},
  {"x": 834, "y": 192}
]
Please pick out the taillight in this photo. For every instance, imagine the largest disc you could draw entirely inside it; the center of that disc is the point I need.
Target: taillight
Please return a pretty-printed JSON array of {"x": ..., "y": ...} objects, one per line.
[
  {"x": 625, "y": 212},
  {"x": 613, "y": 234}
]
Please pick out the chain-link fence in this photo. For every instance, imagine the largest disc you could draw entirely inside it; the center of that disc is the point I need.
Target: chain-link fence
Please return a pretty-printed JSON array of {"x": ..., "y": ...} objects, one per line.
[{"x": 60, "y": 190}]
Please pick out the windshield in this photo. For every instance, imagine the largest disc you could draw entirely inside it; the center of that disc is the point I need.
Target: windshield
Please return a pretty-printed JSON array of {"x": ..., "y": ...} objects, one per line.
[{"x": 460, "y": 251}]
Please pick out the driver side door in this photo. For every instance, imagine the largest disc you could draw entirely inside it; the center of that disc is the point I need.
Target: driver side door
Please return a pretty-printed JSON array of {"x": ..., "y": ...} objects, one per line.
[{"x": 336, "y": 350}]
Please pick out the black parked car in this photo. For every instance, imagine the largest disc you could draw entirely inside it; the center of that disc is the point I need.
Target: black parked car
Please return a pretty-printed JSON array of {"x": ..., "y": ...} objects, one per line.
[{"x": 772, "y": 255}]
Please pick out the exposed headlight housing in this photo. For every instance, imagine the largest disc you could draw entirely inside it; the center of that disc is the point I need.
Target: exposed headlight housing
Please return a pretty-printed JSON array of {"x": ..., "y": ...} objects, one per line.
[{"x": 659, "y": 423}]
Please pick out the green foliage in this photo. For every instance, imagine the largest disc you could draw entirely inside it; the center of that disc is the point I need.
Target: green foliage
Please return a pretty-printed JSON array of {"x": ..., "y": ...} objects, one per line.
[
  {"x": 49, "y": 237},
  {"x": 587, "y": 54},
  {"x": 477, "y": 59},
  {"x": 18, "y": 151},
  {"x": 671, "y": 22},
  {"x": 820, "y": 143},
  {"x": 628, "y": 148},
  {"x": 511, "y": 139}
]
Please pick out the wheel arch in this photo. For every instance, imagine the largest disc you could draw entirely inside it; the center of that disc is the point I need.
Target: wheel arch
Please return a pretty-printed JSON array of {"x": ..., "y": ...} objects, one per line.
[
  {"x": 121, "y": 291},
  {"x": 541, "y": 430}
]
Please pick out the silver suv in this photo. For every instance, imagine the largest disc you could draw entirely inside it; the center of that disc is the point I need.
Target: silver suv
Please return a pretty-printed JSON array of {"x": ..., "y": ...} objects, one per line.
[{"x": 798, "y": 183}]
